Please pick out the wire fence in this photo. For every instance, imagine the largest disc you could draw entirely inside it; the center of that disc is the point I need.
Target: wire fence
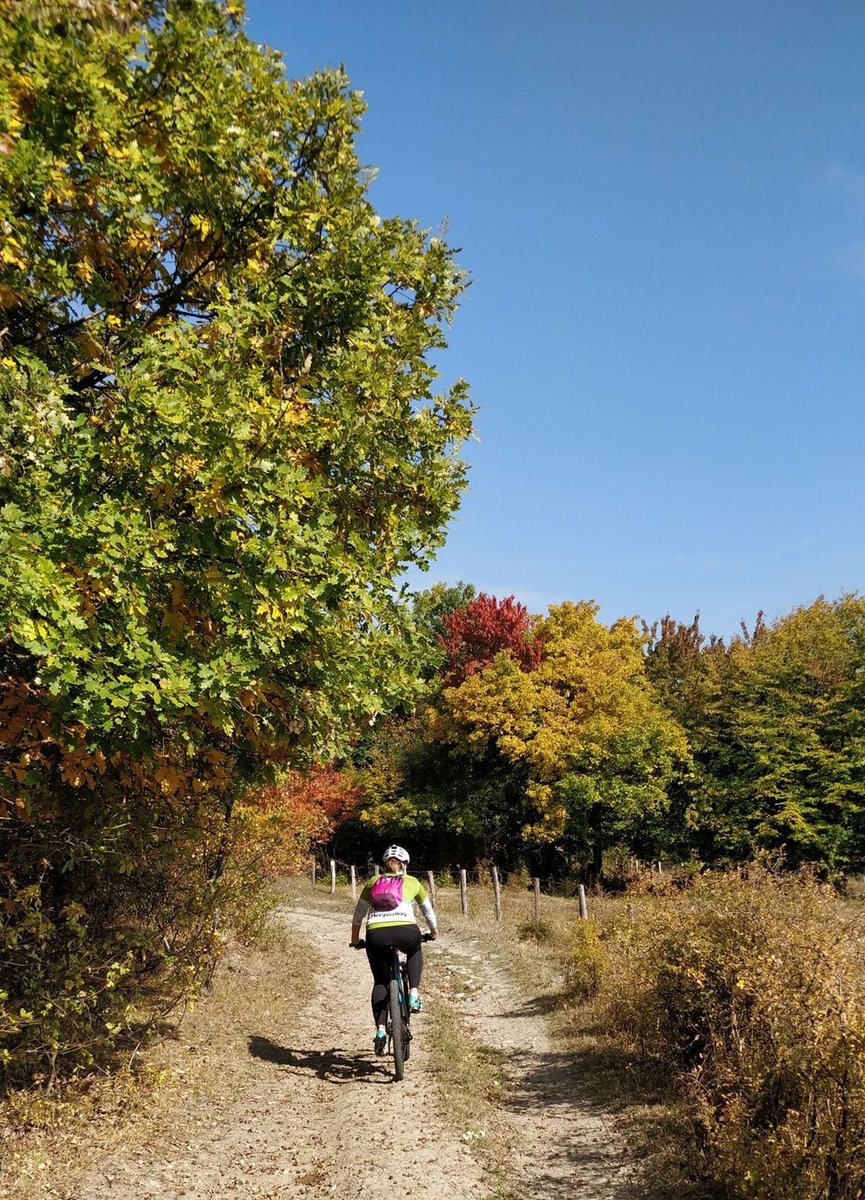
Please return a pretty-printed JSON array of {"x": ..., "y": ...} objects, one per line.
[
  {"x": 476, "y": 877},
  {"x": 332, "y": 873}
]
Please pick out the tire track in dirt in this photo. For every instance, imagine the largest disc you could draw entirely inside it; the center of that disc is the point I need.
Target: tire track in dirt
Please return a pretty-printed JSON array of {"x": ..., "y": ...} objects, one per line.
[
  {"x": 562, "y": 1144},
  {"x": 318, "y": 1116}
]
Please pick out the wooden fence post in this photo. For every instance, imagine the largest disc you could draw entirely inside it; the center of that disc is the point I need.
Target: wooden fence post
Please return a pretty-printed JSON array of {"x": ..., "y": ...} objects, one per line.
[
  {"x": 431, "y": 880},
  {"x": 313, "y": 872},
  {"x": 333, "y": 877},
  {"x": 584, "y": 908},
  {"x": 537, "y": 889},
  {"x": 464, "y": 892},
  {"x": 353, "y": 883},
  {"x": 497, "y": 895}
]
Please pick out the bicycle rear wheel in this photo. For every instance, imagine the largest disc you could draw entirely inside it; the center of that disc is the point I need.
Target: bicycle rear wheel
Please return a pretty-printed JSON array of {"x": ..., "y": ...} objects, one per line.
[{"x": 397, "y": 1030}]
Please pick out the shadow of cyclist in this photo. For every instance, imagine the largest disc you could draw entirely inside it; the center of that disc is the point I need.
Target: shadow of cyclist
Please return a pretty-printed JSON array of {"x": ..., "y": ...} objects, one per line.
[{"x": 330, "y": 1065}]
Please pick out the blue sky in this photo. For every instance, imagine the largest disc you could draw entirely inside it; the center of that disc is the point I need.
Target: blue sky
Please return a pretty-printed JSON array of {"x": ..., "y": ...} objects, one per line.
[{"x": 662, "y": 207}]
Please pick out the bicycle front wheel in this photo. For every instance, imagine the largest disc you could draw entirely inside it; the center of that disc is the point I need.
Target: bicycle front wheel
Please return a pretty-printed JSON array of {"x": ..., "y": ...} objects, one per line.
[{"x": 397, "y": 1030}]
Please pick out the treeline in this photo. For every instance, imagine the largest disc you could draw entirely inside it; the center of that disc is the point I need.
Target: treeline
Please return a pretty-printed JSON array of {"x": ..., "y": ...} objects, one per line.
[{"x": 566, "y": 745}]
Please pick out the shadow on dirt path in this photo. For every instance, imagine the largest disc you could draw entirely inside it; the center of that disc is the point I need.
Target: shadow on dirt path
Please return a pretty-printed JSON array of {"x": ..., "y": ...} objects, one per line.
[{"x": 334, "y": 1065}]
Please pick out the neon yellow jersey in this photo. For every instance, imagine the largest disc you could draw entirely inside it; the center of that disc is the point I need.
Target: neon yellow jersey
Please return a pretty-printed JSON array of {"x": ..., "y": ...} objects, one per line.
[{"x": 413, "y": 892}]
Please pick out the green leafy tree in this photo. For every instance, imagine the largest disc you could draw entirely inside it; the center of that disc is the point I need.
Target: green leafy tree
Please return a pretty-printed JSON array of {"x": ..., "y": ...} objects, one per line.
[
  {"x": 776, "y": 725},
  {"x": 796, "y": 734},
  {"x": 432, "y": 608},
  {"x": 688, "y": 672},
  {"x": 220, "y": 445},
  {"x": 453, "y": 805}
]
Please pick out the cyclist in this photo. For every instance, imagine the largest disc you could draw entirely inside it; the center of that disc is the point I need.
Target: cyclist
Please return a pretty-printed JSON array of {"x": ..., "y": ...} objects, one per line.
[{"x": 388, "y": 902}]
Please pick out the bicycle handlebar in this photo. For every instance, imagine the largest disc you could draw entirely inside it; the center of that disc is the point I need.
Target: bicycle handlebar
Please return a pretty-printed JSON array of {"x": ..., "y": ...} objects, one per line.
[{"x": 360, "y": 944}]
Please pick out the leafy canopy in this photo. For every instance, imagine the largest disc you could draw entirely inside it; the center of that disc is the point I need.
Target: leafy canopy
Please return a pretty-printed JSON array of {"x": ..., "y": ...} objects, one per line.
[
  {"x": 220, "y": 438},
  {"x": 221, "y": 442}
]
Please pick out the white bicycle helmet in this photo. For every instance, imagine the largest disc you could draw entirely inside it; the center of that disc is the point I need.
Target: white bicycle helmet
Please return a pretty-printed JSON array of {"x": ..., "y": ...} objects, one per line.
[{"x": 396, "y": 852}]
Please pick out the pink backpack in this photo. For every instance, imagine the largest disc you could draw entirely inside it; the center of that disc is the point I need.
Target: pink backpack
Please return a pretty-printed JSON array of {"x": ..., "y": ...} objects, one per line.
[{"x": 386, "y": 893}]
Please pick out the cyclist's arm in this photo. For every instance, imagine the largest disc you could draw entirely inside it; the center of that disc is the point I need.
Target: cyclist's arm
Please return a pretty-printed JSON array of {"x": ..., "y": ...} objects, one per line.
[
  {"x": 360, "y": 912},
  {"x": 429, "y": 916}
]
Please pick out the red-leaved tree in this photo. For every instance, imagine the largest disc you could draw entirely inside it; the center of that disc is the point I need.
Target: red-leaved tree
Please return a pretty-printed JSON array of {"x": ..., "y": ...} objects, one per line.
[
  {"x": 278, "y": 824},
  {"x": 475, "y": 634}
]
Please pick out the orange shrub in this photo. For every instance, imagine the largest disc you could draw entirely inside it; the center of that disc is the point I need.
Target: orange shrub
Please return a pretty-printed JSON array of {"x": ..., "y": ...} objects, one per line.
[{"x": 751, "y": 989}]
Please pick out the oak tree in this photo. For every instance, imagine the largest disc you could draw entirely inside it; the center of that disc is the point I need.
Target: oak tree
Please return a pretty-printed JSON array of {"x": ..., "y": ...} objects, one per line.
[{"x": 221, "y": 443}]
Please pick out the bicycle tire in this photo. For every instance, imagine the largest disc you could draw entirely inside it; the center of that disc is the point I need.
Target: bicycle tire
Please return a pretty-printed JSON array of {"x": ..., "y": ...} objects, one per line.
[
  {"x": 406, "y": 1015},
  {"x": 396, "y": 1030}
]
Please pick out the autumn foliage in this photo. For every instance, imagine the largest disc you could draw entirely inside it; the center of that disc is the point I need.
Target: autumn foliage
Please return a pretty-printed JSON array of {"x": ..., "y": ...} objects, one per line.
[
  {"x": 475, "y": 634},
  {"x": 550, "y": 744},
  {"x": 278, "y": 823}
]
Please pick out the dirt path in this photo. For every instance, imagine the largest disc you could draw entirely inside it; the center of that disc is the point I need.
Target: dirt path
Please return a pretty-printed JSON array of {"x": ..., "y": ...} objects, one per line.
[
  {"x": 562, "y": 1145},
  {"x": 316, "y": 1114}
]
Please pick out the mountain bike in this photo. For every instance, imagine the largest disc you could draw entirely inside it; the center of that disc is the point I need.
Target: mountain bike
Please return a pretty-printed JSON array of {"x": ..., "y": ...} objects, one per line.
[{"x": 398, "y": 1010}]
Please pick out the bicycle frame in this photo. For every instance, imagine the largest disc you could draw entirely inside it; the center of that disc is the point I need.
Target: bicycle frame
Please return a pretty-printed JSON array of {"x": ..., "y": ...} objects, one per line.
[{"x": 398, "y": 1021}]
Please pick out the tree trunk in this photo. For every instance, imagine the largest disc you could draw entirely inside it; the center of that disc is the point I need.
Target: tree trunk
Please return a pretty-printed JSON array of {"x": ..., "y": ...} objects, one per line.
[{"x": 596, "y": 870}]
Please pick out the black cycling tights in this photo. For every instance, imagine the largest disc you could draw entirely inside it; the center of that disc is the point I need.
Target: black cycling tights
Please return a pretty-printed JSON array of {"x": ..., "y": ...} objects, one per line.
[{"x": 378, "y": 951}]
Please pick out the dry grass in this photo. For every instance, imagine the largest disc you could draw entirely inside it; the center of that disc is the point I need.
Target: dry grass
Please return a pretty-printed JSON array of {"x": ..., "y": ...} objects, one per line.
[
  {"x": 47, "y": 1142},
  {"x": 472, "y": 1081},
  {"x": 725, "y": 1022}
]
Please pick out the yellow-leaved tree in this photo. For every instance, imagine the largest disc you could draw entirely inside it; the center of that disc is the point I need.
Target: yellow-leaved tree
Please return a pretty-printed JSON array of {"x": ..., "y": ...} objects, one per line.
[{"x": 585, "y": 729}]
